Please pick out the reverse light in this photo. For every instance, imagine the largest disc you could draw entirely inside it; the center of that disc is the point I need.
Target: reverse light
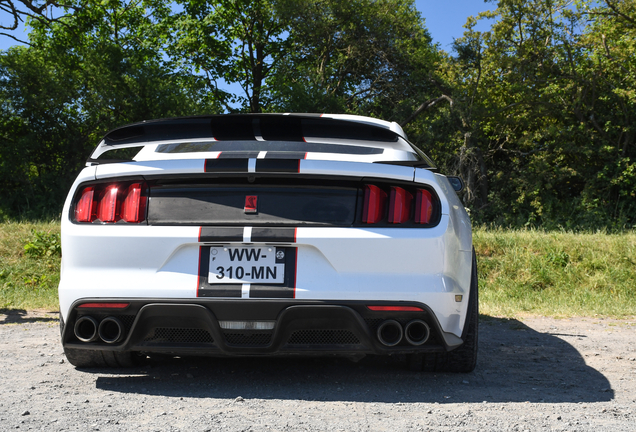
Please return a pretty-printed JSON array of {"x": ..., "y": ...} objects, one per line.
[
  {"x": 374, "y": 204},
  {"x": 399, "y": 205}
]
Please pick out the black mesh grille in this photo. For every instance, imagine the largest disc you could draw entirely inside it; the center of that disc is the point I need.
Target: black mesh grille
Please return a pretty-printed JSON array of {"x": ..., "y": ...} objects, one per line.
[
  {"x": 237, "y": 338},
  {"x": 373, "y": 323},
  {"x": 178, "y": 335},
  {"x": 323, "y": 337}
]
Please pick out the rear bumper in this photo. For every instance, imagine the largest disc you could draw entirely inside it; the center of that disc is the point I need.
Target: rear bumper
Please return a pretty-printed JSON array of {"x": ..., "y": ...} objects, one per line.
[{"x": 192, "y": 327}]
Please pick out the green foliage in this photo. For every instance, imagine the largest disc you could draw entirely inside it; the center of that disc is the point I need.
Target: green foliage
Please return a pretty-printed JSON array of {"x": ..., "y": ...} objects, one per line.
[{"x": 44, "y": 244}]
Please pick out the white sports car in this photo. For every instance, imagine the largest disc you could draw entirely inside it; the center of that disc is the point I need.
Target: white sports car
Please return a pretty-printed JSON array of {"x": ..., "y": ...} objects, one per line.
[{"x": 263, "y": 235}]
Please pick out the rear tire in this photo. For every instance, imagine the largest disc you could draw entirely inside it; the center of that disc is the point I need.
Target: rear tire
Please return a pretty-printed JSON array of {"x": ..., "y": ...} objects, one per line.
[
  {"x": 464, "y": 358},
  {"x": 101, "y": 359}
]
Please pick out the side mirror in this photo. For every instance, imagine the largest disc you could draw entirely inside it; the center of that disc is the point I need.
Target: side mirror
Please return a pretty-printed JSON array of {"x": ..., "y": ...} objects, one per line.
[{"x": 456, "y": 183}]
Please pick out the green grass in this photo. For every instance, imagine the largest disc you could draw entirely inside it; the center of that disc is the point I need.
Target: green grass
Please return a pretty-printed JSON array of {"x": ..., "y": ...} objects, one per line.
[
  {"x": 559, "y": 274},
  {"x": 521, "y": 272},
  {"x": 29, "y": 277}
]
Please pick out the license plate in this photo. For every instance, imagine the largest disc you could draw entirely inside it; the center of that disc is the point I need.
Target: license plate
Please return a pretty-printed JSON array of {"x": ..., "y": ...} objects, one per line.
[{"x": 247, "y": 265}]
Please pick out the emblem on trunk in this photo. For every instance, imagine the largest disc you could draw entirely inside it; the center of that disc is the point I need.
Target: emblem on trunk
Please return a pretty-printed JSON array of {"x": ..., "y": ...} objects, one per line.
[{"x": 250, "y": 204}]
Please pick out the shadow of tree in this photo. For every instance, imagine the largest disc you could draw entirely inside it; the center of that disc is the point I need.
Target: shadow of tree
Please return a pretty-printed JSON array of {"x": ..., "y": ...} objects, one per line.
[{"x": 516, "y": 364}]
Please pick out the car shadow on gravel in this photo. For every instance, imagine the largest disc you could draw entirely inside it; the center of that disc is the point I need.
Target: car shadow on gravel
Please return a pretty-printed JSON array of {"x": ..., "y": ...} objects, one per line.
[
  {"x": 21, "y": 316},
  {"x": 516, "y": 364}
]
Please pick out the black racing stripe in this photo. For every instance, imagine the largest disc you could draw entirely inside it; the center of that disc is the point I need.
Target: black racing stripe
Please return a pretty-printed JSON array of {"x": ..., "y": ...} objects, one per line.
[
  {"x": 271, "y": 291},
  {"x": 271, "y": 235},
  {"x": 213, "y": 234},
  {"x": 277, "y": 291},
  {"x": 221, "y": 290},
  {"x": 231, "y": 164},
  {"x": 285, "y": 155},
  {"x": 277, "y": 165},
  {"x": 206, "y": 289},
  {"x": 230, "y": 154}
]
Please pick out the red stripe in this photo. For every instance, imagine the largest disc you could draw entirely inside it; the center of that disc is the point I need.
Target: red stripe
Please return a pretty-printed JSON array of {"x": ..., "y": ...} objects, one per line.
[
  {"x": 306, "y": 153},
  {"x": 217, "y": 156},
  {"x": 295, "y": 234},
  {"x": 199, "y": 264},
  {"x": 295, "y": 269},
  {"x": 299, "y": 164},
  {"x": 199, "y": 271}
]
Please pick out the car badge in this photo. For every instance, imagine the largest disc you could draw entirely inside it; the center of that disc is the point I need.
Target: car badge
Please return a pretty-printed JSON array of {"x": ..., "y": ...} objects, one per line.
[{"x": 250, "y": 204}]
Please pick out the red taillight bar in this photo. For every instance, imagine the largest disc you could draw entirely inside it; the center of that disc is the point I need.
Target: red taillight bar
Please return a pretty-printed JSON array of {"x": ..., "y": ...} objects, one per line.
[
  {"x": 399, "y": 205},
  {"x": 85, "y": 210},
  {"x": 104, "y": 305},
  {"x": 108, "y": 210},
  {"x": 423, "y": 206},
  {"x": 396, "y": 308},
  {"x": 374, "y": 204},
  {"x": 133, "y": 209}
]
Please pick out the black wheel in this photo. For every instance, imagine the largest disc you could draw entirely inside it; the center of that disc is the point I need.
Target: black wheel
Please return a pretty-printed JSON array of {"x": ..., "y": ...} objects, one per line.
[
  {"x": 464, "y": 358},
  {"x": 95, "y": 359}
]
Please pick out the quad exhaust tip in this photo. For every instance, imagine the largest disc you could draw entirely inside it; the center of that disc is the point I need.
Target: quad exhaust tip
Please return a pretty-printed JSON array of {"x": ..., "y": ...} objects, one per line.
[
  {"x": 390, "y": 333},
  {"x": 111, "y": 330},
  {"x": 417, "y": 332},
  {"x": 86, "y": 329}
]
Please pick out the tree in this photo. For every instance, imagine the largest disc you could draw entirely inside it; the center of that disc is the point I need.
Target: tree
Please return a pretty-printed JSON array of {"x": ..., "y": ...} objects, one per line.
[{"x": 96, "y": 69}]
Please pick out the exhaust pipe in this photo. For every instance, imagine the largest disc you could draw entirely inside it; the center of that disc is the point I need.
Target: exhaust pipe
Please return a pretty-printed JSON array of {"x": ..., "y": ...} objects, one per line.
[
  {"x": 111, "y": 330},
  {"x": 86, "y": 329},
  {"x": 417, "y": 332},
  {"x": 390, "y": 333}
]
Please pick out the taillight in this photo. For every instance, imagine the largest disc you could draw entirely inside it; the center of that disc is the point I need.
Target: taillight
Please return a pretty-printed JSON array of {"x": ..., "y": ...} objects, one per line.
[
  {"x": 85, "y": 209},
  {"x": 108, "y": 210},
  {"x": 423, "y": 206},
  {"x": 133, "y": 209},
  {"x": 374, "y": 204},
  {"x": 399, "y": 205},
  {"x": 112, "y": 202}
]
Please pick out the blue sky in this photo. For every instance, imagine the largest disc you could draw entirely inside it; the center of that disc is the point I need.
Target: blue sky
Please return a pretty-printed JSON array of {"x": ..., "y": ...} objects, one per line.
[{"x": 444, "y": 19}]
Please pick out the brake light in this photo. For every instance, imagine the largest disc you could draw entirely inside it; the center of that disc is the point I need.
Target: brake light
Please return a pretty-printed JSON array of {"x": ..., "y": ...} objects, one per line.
[
  {"x": 108, "y": 205},
  {"x": 399, "y": 205},
  {"x": 374, "y": 204},
  {"x": 133, "y": 209},
  {"x": 85, "y": 210},
  {"x": 112, "y": 202},
  {"x": 423, "y": 206}
]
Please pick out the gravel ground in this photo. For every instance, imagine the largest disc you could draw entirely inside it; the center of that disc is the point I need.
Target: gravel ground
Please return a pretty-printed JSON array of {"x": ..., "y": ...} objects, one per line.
[{"x": 532, "y": 374}]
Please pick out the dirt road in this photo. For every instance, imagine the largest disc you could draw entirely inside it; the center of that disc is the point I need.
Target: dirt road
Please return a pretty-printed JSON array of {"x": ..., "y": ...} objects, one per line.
[{"x": 535, "y": 374}]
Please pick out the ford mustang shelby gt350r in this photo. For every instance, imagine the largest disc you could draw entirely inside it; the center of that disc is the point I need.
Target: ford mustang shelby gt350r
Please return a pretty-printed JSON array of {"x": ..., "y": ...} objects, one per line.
[{"x": 261, "y": 235}]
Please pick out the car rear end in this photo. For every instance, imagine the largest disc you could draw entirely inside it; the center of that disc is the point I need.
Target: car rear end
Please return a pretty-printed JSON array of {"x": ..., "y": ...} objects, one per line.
[{"x": 233, "y": 241}]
